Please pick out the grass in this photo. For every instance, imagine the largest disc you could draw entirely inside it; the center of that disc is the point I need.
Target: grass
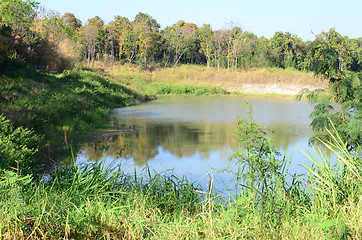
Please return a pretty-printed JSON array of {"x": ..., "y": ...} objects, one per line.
[
  {"x": 98, "y": 201},
  {"x": 146, "y": 82},
  {"x": 252, "y": 81},
  {"x": 74, "y": 102}
]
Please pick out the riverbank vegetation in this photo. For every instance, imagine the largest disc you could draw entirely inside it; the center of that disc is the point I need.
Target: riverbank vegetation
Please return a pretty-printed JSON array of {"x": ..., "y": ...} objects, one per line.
[
  {"x": 98, "y": 201},
  {"x": 51, "y": 91}
]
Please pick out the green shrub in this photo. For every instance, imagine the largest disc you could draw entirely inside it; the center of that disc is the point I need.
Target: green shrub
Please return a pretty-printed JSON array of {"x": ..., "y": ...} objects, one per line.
[{"x": 17, "y": 146}]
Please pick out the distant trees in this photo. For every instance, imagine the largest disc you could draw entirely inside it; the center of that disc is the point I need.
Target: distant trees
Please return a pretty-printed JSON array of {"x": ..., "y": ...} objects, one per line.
[
  {"x": 206, "y": 36},
  {"x": 287, "y": 50},
  {"x": 56, "y": 42},
  {"x": 16, "y": 19},
  {"x": 148, "y": 36},
  {"x": 90, "y": 38},
  {"x": 181, "y": 39}
]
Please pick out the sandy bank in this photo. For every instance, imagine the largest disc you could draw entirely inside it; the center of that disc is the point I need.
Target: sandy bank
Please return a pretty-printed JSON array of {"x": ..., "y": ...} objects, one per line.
[{"x": 280, "y": 89}]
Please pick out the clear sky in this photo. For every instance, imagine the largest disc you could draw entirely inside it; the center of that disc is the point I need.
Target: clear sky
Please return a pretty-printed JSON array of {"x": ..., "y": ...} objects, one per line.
[{"x": 262, "y": 17}]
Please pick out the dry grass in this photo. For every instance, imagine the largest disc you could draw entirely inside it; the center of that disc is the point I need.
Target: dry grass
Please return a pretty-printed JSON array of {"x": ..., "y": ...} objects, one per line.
[
  {"x": 252, "y": 81},
  {"x": 255, "y": 81}
]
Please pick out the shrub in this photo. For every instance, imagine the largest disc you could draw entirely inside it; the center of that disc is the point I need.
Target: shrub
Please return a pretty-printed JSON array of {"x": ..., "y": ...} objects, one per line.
[{"x": 17, "y": 146}]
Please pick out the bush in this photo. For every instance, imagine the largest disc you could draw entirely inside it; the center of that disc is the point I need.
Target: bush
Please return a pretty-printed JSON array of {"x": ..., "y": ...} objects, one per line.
[{"x": 17, "y": 146}]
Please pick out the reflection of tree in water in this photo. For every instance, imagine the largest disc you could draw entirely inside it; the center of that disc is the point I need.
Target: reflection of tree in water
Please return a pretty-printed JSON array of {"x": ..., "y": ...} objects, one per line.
[
  {"x": 181, "y": 140},
  {"x": 177, "y": 138},
  {"x": 286, "y": 136},
  {"x": 97, "y": 149}
]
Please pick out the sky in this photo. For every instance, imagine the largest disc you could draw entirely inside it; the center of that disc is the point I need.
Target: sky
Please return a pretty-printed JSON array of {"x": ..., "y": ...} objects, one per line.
[{"x": 261, "y": 17}]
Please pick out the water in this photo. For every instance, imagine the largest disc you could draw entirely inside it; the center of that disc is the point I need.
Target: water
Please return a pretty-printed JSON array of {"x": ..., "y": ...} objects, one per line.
[{"x": 193, "y": 135}]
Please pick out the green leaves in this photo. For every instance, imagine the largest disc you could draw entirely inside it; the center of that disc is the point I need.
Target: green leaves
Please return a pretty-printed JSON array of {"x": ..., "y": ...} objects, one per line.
[
  {"x": 17, "y": 13},
  {"x": 17, "y": 145},
  {"x": 331, "y": 56}
]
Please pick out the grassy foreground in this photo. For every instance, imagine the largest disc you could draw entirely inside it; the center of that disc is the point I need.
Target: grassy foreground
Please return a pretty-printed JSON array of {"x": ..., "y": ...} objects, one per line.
[{"x": 100, "y": 202}]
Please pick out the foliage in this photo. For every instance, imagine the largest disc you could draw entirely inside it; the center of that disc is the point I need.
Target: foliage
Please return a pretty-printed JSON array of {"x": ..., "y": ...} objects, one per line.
[
  {"x": 17, "y": 146},
  {"x": 141, "y": 41},
  {"x": 343, "y": 107},
  {"x": 261, "y": 176},
  {"x": 18, "y": 14},
  {"x": 336, "y": 182}
]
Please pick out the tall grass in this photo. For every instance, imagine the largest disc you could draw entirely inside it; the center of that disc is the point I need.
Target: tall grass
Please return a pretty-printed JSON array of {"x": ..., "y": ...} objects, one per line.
[
  {"x": 251, "y": 81},
  {"x": 98, "y": 201},
  {"x": 148, "y": 82}
]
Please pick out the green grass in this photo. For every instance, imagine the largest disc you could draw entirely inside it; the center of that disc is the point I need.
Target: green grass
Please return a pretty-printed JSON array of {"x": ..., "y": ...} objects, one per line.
[
  {"x": 74, "y": 102},
  {"x": 144, "y": 82},
  {"x": 99, "y": 201}
]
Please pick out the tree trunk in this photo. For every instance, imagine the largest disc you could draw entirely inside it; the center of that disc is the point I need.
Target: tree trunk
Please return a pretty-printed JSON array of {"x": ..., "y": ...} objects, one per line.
[
  {"x": 112, "y": 52},
  {"x": 177, "y": 60}
]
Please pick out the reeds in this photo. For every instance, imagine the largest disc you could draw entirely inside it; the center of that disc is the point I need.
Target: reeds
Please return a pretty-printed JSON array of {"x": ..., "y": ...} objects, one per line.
[{"x": 99, "y": 201}]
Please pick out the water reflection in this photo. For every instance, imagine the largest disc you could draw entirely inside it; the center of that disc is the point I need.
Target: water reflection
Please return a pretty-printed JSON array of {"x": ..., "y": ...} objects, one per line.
[
  {"x": 194, "y": 134},
  {"x": 179, "y": 139}
]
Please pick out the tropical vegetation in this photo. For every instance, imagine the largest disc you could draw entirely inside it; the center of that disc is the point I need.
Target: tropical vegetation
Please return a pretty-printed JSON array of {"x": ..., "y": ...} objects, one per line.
[{"x": 52, "y": 92}]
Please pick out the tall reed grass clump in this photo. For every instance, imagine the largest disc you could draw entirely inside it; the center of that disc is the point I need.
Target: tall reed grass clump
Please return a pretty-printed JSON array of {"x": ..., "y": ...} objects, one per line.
[
  {"x": 93, "y": 202},
  {"x": 323, "y": 204}
]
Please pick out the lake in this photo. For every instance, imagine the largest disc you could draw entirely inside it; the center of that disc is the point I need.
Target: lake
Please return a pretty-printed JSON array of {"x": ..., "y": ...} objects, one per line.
[{"x": 193, "y": 134}]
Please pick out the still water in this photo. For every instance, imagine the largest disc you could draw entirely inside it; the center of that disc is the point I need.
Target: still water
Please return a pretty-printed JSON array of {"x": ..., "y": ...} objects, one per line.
[{"x": 192, "y": 135}]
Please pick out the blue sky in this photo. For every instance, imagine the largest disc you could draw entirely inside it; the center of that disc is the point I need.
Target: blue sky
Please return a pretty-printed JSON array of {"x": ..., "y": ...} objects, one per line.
[{"x": 262, "y": 17}]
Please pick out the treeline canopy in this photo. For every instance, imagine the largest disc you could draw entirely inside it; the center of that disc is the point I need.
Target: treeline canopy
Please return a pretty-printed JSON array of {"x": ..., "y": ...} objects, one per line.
[{"x": 55, "y": 42}]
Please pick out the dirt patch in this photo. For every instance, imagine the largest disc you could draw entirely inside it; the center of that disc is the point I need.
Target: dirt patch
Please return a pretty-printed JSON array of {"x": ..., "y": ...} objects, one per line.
[{"x": 280, "y": 89}]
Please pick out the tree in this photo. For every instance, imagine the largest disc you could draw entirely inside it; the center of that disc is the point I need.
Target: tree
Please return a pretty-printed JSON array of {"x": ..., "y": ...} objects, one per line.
[
  {"x": 180, "y": 38},
  {"x": 127, "y": 38},
  {"x": 206, "y": 39},
  {"x": 90, "y": 36},
  {"x": 146, "y": 19},
  {"x": 112, "y": 35},
  {"x": 219, "y": 43},
  {"x": 261, "y": 57},
  {"x": 355, "y": 47},
  {"x": 329, "y": 61},
  {"x": 286, "y": 50},
  {"x": 248, "y": 52},
  {"x": 147, "y": 27},
  {"x": 16, "y": 16},
  {"x": 5, "y": 39},
  {"x": 236, "y": 46},
  {"x": 71, "y": 23}
]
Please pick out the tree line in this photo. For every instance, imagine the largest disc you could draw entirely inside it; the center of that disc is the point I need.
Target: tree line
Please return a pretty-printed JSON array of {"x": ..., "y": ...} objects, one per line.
[{"x": 56, "y": 42}]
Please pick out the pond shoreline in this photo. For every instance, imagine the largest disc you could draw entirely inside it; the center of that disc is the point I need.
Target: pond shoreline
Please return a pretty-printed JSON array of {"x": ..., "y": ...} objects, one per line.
[{"x": 268, "y": 89}]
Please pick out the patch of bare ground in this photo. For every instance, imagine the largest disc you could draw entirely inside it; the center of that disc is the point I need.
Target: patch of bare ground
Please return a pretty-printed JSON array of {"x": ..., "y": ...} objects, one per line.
[
  {"x": 252, "y": 81},
  {"x": 280, "y": 89}
]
